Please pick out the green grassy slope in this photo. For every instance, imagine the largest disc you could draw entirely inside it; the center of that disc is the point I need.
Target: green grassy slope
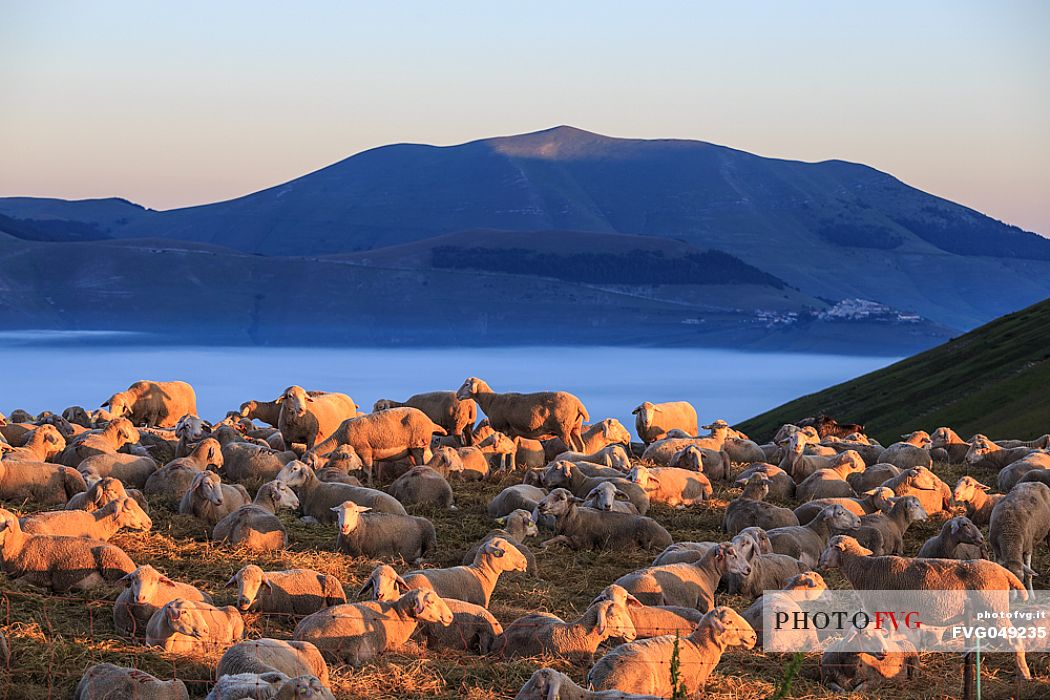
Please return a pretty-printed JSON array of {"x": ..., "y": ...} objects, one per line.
[{"x": 994, "y": 380}]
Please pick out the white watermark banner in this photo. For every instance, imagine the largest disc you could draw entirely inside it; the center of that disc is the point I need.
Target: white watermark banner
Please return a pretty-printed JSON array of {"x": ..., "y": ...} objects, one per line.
[{"x": 881, "y": 621}]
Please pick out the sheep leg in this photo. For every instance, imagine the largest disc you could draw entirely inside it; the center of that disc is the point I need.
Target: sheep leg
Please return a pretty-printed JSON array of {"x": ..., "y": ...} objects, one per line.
[
  {"x": 1028, "y": 580},
  {"x": 416, "y": 453},
  {"x": 560, "y": 539}
]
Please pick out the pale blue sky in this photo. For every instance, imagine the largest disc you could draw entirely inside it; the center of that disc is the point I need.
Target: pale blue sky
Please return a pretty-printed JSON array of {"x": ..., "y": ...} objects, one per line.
[{"x": 190, "y": 102}]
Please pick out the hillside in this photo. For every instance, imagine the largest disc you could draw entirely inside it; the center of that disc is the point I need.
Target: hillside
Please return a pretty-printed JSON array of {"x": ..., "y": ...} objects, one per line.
[
  {"x": 994, "y": 380},
  {"x": 833, "y": 230}
]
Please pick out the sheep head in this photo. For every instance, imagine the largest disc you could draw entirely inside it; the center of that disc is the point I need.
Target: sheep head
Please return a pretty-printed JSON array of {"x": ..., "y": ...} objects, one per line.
[
  {"x": 208, "y": 486},
  {"x": 646, "y": 411},
  {"x": 295, "y": 473},
  {"x": 806, "y": 586},
  {"x": 729, "y": 627},
  {"x": 614, "y": 432},
  {"x": 556, "y": 503},
  {"x": 471, "y": 387},
  {"x": 295, "y": 400},
  {"x": 962, "y": 530},
  {"x": 613, "y": 620},
  {"x": 838, "y": 546},
  {"x": 119, "y": 404},
  {"x": 728, "y": 558},
  {"x": 966, "y": 489},
  {"x": 383, "y": 405},
  {"x": 980, "y": 447},
  {"x": 501, "y": 555},
  {"x": 760, "y": 537},
  {"x": 838, "y": 518},
  {"x": 130, "y": 515},
  {"x": 248, "y": 581},
  {"x": 144, "y": 582},
  {"x": 383, "y": 584},
  {"x": 349, "y": 516},
  {"x": 426, "y": 606},
  {"x": 519, "y": 520},
  {"x": 280, "y": 495}
]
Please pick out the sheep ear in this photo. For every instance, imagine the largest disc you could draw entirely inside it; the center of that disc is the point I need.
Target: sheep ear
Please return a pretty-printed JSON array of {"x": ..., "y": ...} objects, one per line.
[
  {"x": 603, "y": 618},
  {"x": 268, "y": 582},
  {"x": 983, "y": 487},
  {"x": 621, "y": 496},
  {"x": 634, "y": 602},
  {"x": 309, "y": 399},
  {"x": 654, "y": 479},
  {"x": 717, "y": 623},
  {"x": 369, "y": 583},
  {"x": 636, "y": 411},
  {"x": 501, "y": 521},
  {"x": 104, "y": 404},
  {"x": 955, "y": 526},
  {"x": 125, "y": 579},
  {"x": 401, "y": 584},
  {"x": 232, "y": 582}
]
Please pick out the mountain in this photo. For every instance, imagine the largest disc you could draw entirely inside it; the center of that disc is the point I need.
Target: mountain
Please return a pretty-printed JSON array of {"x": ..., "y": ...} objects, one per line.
[
  {"x": 835, "y": 232},
  {"x": 994, "y": 380}
]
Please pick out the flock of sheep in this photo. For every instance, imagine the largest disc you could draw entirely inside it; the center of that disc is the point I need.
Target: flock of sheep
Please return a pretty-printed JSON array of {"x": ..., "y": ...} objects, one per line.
[{"x": 79, "y": 477}]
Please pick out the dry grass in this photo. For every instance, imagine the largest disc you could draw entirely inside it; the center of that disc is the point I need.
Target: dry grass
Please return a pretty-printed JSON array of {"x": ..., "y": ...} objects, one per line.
[{"x": 55, "y": 639}]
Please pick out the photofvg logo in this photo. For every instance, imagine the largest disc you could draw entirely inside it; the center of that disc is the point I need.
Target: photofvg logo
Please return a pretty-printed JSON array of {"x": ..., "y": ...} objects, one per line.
[{"x": 906, "y": 621}]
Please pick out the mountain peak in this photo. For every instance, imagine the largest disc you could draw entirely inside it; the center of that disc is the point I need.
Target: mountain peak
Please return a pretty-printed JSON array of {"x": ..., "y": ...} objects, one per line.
[{"x": 556, "y": 142}]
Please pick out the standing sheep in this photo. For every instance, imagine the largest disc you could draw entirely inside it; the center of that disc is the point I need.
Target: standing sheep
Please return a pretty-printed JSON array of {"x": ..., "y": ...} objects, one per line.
[
  {"x": 542, "y": 414},
  {"x": 653, "y": 420},
  {"x": 159, "y": 404},
  {"x": 1020, "y": 521},
  {"x": 457, "y": 416},
  {"x": 291, "y": 592},
  {"x": 310, "y": 419}
]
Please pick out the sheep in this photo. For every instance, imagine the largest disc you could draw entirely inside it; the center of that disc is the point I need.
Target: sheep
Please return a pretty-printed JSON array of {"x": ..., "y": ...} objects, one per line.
[
  {"x": 193, "y": 626},
  {"x": 1041, "y": 476},
  {"x": 247, "y": 686},
  {"x": 686, "y": 585},
  {"x": 913, "y": 451},
  {"x": 629, "y": 667},
  {"x": 39, "y": 482},
  {"x": 538, "y": 415},
  {"x": 605, "y": 496},
  {"x": 614, "y": 456},
  {"x": 99, "y": 525},
  {"x": 689, "y": 552},
  {"x": 590, "y": 469},
  {"x": 158, "y": 404},
  {"x": 959, "y": 538},
  {"x": 256, "y": 527},
  {"x": 383, "y": 534},
  {"x": 651, "y": 620},
  {"x": 700, "y": 459},
  {"x": 1041, "y": 443},
  {"x": 465, "y": 462},
  {"x": 291, "y": 658},
  {"x": 103, "y": 681},
  {"x": 750, "y": 510},
  {"x": 543, "y": 633},
  {"x": 102, "y": 492},
  {"x": 985, "y": 454},
  {"x": 844, "y": 669},
  {"x": 210, "y": 500},
  {"x": 873, "y": 501},
  {"x": 20, "y": 415},
  {"x": 473, "y": 629},
  {"x": 516, "y": 497},
  {"x": 499, "y": 450},
  {"x": 318, "y": 498},
  {"x": 457, "y": 416},
  {"x": 572, "y": 478},
  {"x": 806, "y": 542},
  {"x": 800, "y": 465},
  {"x": 743, "y": 451},
  {"x": 972, "y": 578},
  {"x": 768, "y": 572},
  {"x": 872, "y": 476},
  {"x": 78, "y": 415},
  {"x": 781, "y": 485},
  {"x": 290, "y": 592},
  {"x": 1012, "y": 473},
  {"x": 548, "y": 684},
  {"x": 357, "y": 632},
  {"x": 948, "y": 441},
  {"x": 529, "y": 454},
  {"x": 805, "y": 586},
  {"x": 652, "y": 421},
  {"x": 172, "y": 481},
  {"x": 598, "y": 436},
  {"x": 474, "y": 583},
  {"x": 892, "y": 524},
  {"x": 1019, "y": 522},
  {"x": 132, "y": 470},
  {"x": 58, "y": 562},
  {"x": 583, "y": 528},
  {"x": 516, "y": 526},
  {"x": 267, "y": 411},
  {"x": 422, "y": 485},
  {"x": 830, "y": 482},
  {"x": 310, "y": 419},
  {"x": 933, "y": 494},
  {"x": 383, "y": 584},
  {"x": 662, "y": 452},
  {"x": 246, "y": 463},
  {"x": 671, "y": 486},
  {"x": 387, "y": 435},
  {"x": 979, "y": 504},
  {"x": 41, "y": 445},
  {"x": 146, "y": 591}
]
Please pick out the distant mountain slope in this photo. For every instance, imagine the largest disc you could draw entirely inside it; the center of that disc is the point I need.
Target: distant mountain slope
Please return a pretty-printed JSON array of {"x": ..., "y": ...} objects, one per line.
[
  {"x": 994, "y": 380},
  {"x": 834, "y": 230}
]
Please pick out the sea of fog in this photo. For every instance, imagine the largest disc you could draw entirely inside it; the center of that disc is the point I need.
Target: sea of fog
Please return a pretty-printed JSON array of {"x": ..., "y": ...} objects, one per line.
[{"x": 611, "y": 381}]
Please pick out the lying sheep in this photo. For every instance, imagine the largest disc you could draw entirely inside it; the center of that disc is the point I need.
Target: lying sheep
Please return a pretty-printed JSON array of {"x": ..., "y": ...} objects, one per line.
[
  {"x": 517, "y": 497},
  {"x": 716, "y": 464},
  {"x": 913, "y": 451},
  {"x": 872, "y": 476},
  {"x": 377, "y": 535},
  {"x": 171, "y": 482},
  {"x": 245, "y": 463},
  {"x": 193, "y": 626},
  {"x": 548, "y": 684},
  {"x": 383, "y": 584},
  {"x": 210, "y": 500},
  {"x": 959, "y": 538},
  {"x": 948, "y": 441},
  {"x": 934, "y": 495},
  {"x": 801, "y": 465},
  {"x": 290, "y": 658},
  {"x": 290, "y": 592},
  {"x": 1019, "y": 522},
  {"x": 78, "y": 415},
  {"x": 422, "y": 485},
  {"x": 972, "y": 579},
  {"x": 357, "y": 632},
  {"x": 614, "y": 456},
  {"x": 806, "y": 542},
  {"x": 39, "y": 482},
  {"x": 465, "y": 462},
  {"x": 1010, "y": 475},
  {"x": 583, "y": 528},
  {"x": 873, "y": 501},
  {"x": 686, "y": 585},
  {"x": 247, "y": 686},
  {"x": 671, "y": 486},
  {"x": 130, "y": 469},
  {"x": 474, "y": 583},
  {"x": 318, "y": 498},
  {"x": 41, "y": 445},
  {"x": 629, "y": 667},
  {"x": 756, "y": 539},
  {"x": 843, "y": 669},
  {"x": 103, "y": 681},
  {"x": 547, "y": 413},
  {"x": 768, "y": 572},
  {"x": 830, "y": 482},
  {"x": 892, "y": 524},
  {"x": 457, "y": 416},
  {"x": 57, "y": 562},
  {"x": 311, "y": 418},
  {"x": 100, "y": 525},
  {"x": 751, "y": 510},
  {"x": 651, "y": 620},
  {"x": 570, "y": 477},
  {"x": 546, "y": 634},
  {"x": 473, "y": 629},
  {"x": 605, "y": 496},
  {"x": 985, "y": 454},
  {"x": 652, "y": 421},
  {"x": 516, "y": 526},
  {"x": 256, "y": 527},
  {"x": 979, "y": 504},
  {"x": 805, "y": 586},
  {"x": 102, "y": 492},
  {"x": 153, "y": 403},
  {"x": 147, "y": 591}
]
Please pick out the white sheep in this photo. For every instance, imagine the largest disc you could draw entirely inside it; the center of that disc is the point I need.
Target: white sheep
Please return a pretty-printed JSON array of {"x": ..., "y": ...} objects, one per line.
[
  {"x": 210, "y": 500},
  {"x": 372, "y": 535},
  {"x": 147, "y": 591},
  {"x": 548, "y": 684},
  {"x": 652, "y": 421},
  {"x": 290, "y": 592},
  {"x": 258, "y": 656},
  {"x": 671, "y": 486},
  {"x": 543, "y": 633},
  {"x": 474, "y": 583},
  {"x": 256, "y": 526},
  {"x": 193, "y": 626},
  {"x": 104, "y": 681},
  {"x": 100, "y": 525}
]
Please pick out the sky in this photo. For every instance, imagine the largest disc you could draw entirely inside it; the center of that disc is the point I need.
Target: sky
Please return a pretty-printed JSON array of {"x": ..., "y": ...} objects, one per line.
[{"x": 174, "y": 104}]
